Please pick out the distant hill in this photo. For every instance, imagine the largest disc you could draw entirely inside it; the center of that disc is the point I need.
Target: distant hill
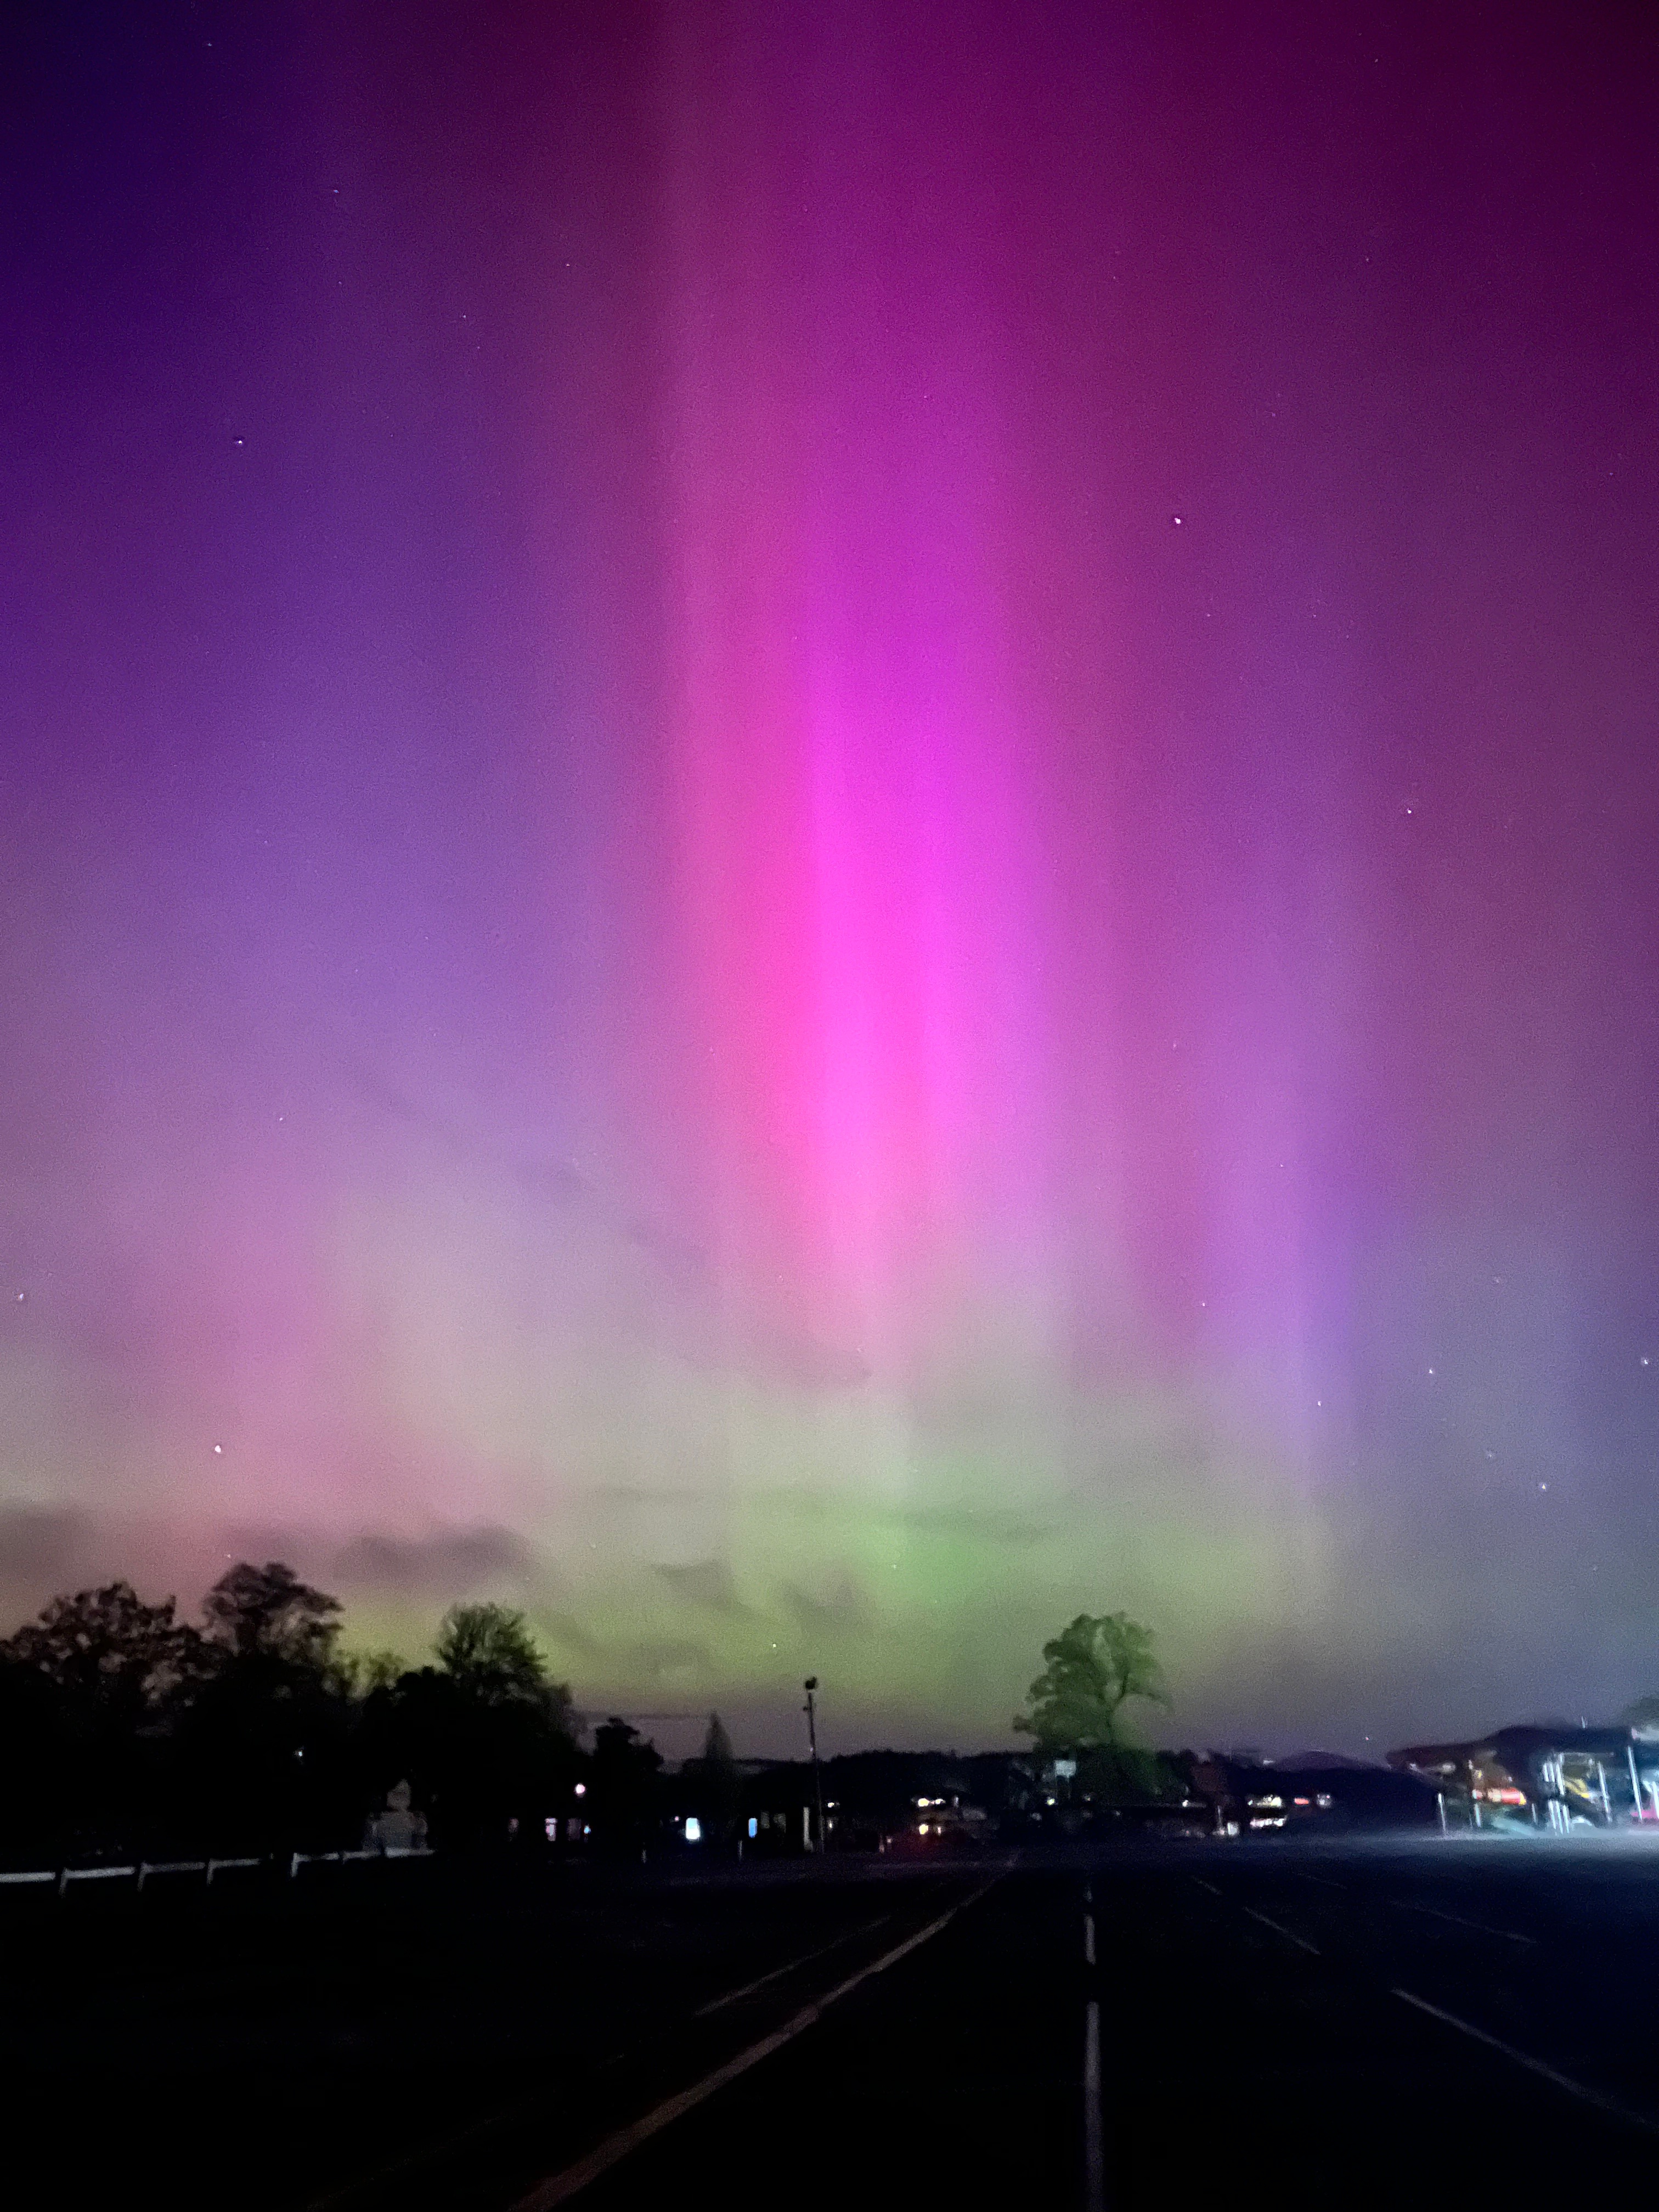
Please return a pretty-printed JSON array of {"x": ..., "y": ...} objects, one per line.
[{"x": 1300, "y": 1762}]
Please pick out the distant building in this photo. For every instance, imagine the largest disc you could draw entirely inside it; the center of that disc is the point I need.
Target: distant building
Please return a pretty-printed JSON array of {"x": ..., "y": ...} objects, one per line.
[
  {"x": 1250, "y": 1796},
  {"x": 397, "y": 1827},
  {"x": 1541, "y": 1777}
]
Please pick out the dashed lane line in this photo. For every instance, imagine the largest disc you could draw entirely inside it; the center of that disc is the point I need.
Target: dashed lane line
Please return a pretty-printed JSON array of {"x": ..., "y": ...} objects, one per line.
[
  {"x": 1438, "y": 1912},
  {"x": 1289, "y": 1934},
  {"x": 1580, "y": 2090},
  {"x": 1094, "y": 2147}
]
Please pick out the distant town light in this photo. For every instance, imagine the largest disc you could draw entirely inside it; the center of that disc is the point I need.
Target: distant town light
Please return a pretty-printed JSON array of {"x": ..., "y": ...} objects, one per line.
[
  {"x": 582, "y": 1790},
  {"x": 754, "y": 1826},
  {"x": 693, "y": 1829}
]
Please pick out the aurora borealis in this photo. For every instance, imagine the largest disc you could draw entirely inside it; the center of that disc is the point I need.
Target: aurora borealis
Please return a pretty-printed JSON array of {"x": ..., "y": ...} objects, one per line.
[{"x": 823, "y": 829}]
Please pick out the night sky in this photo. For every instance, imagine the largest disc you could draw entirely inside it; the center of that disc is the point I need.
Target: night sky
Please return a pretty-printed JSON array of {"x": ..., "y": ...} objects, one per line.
[{"x": 825, "y": 827}]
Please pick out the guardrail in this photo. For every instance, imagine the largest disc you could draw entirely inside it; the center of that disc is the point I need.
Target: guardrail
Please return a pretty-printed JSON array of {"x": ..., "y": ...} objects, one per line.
[{"x": 139, "y": 1873}]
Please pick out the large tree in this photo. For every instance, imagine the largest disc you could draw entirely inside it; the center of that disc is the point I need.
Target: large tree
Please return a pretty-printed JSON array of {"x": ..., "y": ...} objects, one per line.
[
  {"x": 268, "y": 1612},
  {"x": 1092, "y": 1670},
  {"x": 489, "y": 1652},
  {"x": 266, "y": 1747},
  {"x": 625, "y": 1786},
  {"x": 90, "y": 1694},
  {"x": 108, "y": 1650},
  {"x": 486, "y": 1738},
  {"x": 717, "y": 1784}
]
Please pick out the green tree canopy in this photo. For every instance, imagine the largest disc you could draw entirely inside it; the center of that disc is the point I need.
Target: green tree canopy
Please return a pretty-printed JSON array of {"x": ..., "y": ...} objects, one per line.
[{"x": 1092, "y": 1670}]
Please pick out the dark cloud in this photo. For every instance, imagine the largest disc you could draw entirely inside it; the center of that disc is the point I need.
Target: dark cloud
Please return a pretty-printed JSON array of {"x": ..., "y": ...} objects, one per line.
[
  {"x": 449, "y": 1563},
  {"x": 670, "y": 1655},
  {"x": 707, "y": 1583},
  {"x": 43, "y": 1544},
  {"x": 568, "y": 1634},
  {"x": 845, "y": 1607}
]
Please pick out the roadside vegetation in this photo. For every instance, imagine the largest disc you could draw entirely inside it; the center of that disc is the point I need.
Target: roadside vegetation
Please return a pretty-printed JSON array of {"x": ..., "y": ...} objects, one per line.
[
  {"x": 129, "y": 1733},
  {"x": 127, "y": 1729}
]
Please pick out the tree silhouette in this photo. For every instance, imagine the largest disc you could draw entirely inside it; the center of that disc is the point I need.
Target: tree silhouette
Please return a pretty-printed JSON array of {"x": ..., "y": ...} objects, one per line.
[
  {"x": 485, "y": 1737},
  {"x": 716, "y": 1782},
  {"x": 490, "y": 1654},
  {"x": 91, "y": 1688},
  {"x": 624, "y": 1785},
  {"x": 268, "y": 1612},
  {"x": 107, "y": 1649},
  {"x": 1092, "y": 1668},
  {"x": 265, "y": 1747}
]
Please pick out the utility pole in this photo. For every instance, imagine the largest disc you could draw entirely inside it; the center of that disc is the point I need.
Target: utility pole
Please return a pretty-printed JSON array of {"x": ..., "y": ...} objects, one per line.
[{"x": 810, "y": 1686}]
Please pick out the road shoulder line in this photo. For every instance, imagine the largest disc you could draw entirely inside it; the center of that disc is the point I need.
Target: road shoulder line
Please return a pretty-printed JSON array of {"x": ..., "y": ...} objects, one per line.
[
  {"x": 559, "y": 2188},
  {"x": 790, "y": 1966}
]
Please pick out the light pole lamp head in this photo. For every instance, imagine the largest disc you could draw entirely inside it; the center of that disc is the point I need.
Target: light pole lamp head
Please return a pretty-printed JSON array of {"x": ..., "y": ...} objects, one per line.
[{"x": 810, "y": 1683}]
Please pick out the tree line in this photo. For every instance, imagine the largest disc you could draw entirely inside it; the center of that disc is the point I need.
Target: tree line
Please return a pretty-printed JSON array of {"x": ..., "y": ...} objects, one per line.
[{"x": 128, "y": 1730}]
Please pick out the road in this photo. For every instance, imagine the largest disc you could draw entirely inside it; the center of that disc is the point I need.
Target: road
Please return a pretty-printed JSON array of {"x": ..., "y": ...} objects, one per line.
[
  {"x": 1392, "y": 2021},
  {"x": 1386, "y": 2024}
]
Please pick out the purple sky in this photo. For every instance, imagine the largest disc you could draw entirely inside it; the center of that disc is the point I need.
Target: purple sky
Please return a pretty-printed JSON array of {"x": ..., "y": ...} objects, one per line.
[{"x": 823, "y": 829}]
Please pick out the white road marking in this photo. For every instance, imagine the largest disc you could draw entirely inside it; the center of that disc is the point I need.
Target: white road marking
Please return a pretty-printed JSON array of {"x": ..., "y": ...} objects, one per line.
[
  {"x": 1289, "y": 1934},
  {"x": 1094, "y": 2153},
  {"x": 1323, "y": 1880},
  {"x": 559, "y": 2188},
  {"x": 1581, "y": 2090},
  {"x": 1209, "y": 1886},
  {"x": 1088, "y": 1939},
  {"x": 732, "y": 1997},
  {"x": 1436, "y": 1912}
]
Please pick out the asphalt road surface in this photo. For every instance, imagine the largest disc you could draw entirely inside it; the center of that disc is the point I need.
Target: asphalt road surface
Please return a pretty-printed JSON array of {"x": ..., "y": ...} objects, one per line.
[{"x": 1195, "y": 2024}]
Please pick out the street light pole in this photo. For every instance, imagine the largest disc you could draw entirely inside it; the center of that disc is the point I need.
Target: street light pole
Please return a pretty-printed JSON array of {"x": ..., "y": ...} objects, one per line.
[{"x": 810, "y": 1686}]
